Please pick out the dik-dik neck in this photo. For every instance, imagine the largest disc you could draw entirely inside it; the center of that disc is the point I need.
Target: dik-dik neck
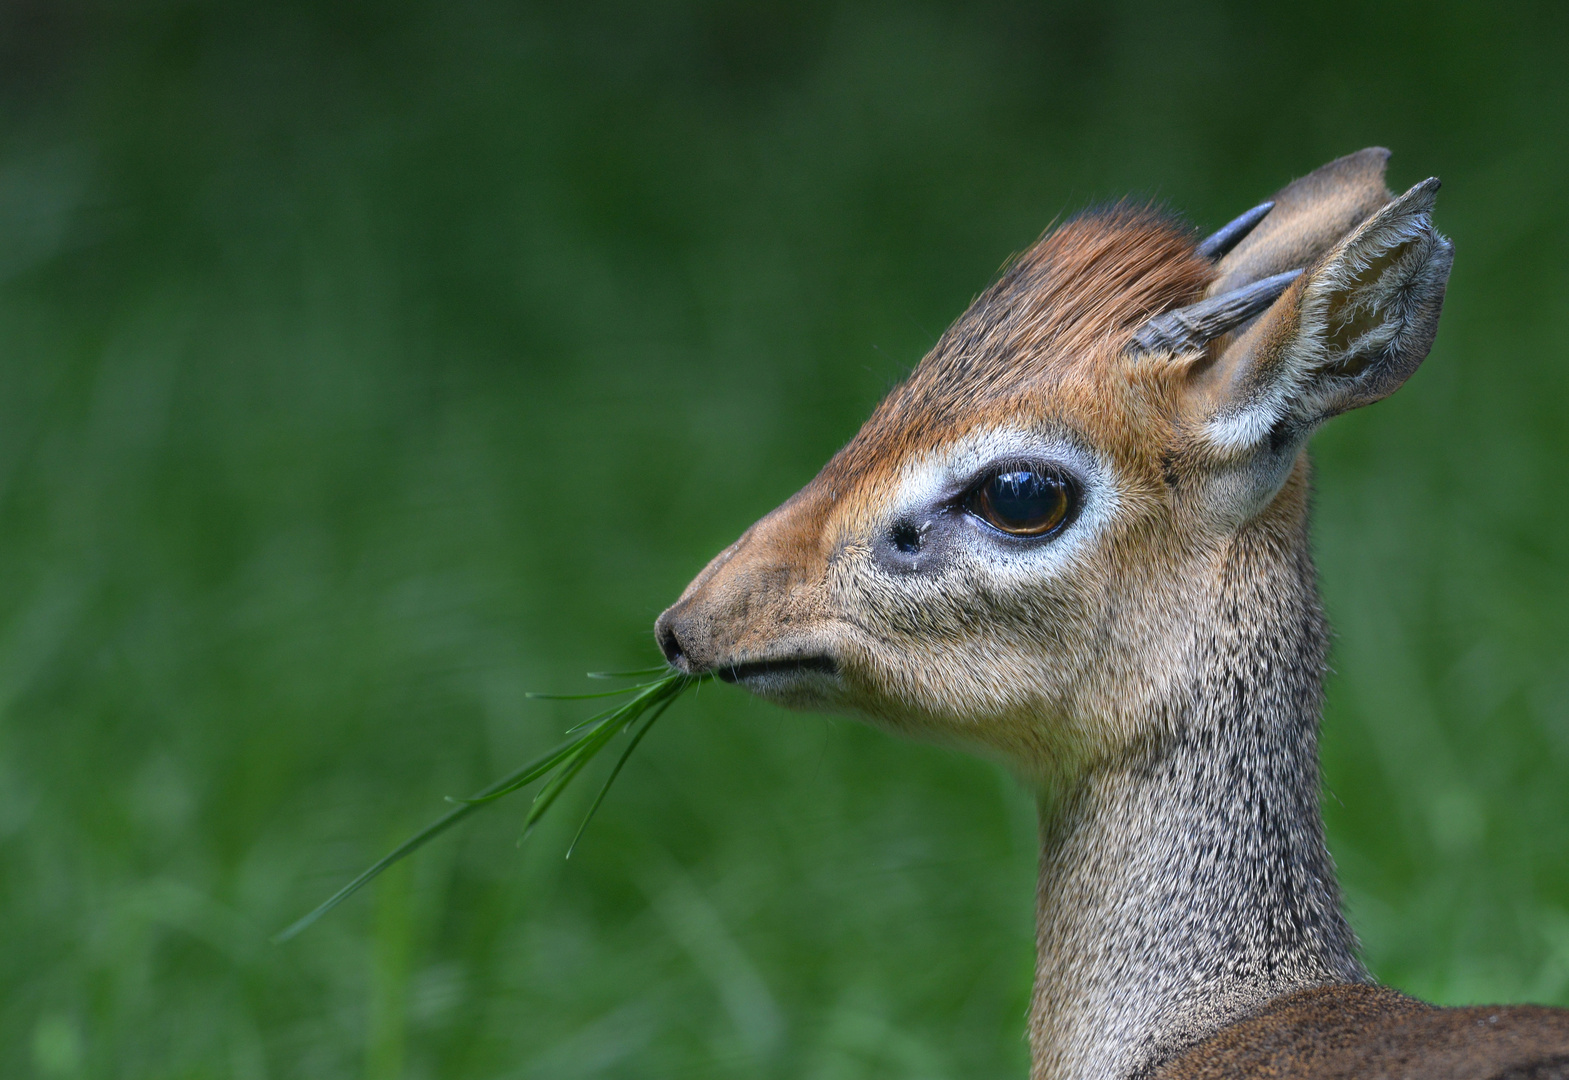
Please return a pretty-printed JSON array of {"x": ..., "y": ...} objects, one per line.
[{"x": 1187, "y": 882}]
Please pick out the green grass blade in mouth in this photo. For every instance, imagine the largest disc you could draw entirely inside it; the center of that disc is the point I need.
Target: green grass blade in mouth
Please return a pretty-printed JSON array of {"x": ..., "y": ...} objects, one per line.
[
  {"x": 408, "y": 847},
  {"x": 561, "y": 764},
  {"x": 532, "y": 696},
  {"x": 640, "y": 673},
  {"x": 658, "y": 696},
  {"x": 637, "y": 737},
  {"x": 645, "y": 696},
  {"x": 522, "y": 777}
]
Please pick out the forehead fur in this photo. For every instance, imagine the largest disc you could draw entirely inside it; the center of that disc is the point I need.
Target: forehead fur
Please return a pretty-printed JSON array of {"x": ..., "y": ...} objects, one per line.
[{"x": 1065, "y": 307}]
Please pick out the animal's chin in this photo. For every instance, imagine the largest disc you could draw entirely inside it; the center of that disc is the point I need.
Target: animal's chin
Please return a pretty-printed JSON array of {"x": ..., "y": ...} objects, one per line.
[{"x": 803, "y": 682}]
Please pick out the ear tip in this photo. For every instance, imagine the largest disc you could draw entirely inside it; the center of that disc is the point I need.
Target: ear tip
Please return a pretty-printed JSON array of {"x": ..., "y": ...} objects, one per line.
[
  {"x": 1412, "y": 208},
  {"x": 1420, "y": 198}
]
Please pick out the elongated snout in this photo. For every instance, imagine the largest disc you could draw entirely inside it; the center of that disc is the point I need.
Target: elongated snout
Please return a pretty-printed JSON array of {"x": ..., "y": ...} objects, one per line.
[
  {"x": 743, "y": 609},
  {"x": 759, "y": 613}
]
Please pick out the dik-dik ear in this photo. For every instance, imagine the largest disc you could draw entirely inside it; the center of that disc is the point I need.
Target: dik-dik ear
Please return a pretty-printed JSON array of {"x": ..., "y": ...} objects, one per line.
[
  {"x": 1307, "y": 218},
  {"x": 1347, "y": 332}
]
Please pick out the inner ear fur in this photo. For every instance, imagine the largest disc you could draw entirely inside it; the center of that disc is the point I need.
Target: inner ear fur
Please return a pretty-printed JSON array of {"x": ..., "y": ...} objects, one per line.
[{"x": 1348, "y": 332}]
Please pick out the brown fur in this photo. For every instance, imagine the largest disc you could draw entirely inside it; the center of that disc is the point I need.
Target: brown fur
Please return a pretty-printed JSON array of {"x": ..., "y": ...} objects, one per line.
[
  {"x": 1065, "y": 307},
  {"x": 1355, "y": 1032}
]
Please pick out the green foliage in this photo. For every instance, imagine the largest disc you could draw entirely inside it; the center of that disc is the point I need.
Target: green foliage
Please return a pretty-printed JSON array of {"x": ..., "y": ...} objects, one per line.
[{"x": 363, "y": 365}]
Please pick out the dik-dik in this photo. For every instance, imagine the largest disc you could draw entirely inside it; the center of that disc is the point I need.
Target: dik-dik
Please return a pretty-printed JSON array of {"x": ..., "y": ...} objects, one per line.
[{"x": 1076, "y": 539}]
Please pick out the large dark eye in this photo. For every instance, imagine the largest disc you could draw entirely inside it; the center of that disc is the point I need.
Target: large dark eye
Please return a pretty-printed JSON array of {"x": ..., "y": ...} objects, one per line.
[{"x": 1024, "y": 502}]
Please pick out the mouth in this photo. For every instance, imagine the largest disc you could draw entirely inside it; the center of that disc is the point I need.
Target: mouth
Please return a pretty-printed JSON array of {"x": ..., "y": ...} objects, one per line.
[{"x": 795, "y": 665}]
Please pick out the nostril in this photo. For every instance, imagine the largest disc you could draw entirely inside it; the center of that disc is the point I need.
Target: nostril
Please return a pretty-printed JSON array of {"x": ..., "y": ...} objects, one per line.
[
  {"x": 669, "y": 644},
  {"x": 906, "y": 537}
]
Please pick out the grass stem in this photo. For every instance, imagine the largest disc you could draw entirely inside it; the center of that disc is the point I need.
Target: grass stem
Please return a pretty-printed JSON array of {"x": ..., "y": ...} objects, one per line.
[{"x": 561, "y": 764}]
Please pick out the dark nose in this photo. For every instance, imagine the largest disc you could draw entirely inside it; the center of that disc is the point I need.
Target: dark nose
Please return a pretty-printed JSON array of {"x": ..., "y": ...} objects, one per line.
[{"x": 670, "y": 642}]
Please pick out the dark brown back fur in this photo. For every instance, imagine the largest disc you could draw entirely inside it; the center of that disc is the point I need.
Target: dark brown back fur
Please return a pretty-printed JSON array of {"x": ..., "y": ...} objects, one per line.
[{"x": 1357, "y": 1032}]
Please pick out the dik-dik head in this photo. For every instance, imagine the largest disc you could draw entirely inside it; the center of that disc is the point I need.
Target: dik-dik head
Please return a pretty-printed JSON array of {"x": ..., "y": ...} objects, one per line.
[{"x": 1017, "y": 548}]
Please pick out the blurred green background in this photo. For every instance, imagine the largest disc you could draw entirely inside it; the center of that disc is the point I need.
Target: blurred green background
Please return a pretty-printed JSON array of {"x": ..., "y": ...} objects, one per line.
[{"x": 364, "y": 365}]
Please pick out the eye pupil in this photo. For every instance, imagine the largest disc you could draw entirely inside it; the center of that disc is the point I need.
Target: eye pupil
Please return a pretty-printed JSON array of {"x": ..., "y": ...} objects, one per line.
[{"x": 1024, "y": 502}]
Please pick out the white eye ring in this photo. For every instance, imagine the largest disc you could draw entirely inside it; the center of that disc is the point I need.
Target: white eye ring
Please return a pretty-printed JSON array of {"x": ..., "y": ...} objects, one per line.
[{"x": 947, "y": 475}]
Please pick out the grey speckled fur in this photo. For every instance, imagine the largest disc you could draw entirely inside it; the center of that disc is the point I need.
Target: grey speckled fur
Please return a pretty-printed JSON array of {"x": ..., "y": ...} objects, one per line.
[{"x": 1187, "y": 883}]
